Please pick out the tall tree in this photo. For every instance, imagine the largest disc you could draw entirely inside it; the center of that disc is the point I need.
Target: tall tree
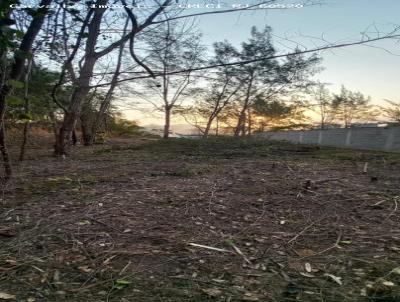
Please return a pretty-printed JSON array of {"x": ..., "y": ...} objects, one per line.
[
  {"x": 279, "y": 114},
  {"x": 235, "y": 88},
  {"x": 392, "y": 111},
  {"x": 16, "y": 71},
  {"x": 92, "y": 54},
  {"x": 265, "y": 78},
  {"x": 217, "y": 94},
  {"x": 322, "y": 104},
  {"x": 254, "y": 76},
  {"x": 352, "y": 106},
  {"x": 95, "y": 108},
  {"x": 172, "y": 47}
]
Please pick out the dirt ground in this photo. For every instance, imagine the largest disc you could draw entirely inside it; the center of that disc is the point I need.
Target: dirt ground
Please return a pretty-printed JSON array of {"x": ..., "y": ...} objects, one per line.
[{"x": 202, "y": 220}]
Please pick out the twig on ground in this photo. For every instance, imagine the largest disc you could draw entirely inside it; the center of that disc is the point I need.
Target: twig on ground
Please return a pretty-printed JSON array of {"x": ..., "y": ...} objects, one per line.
[
  {"x": 365, "y": 169},
  {"x": 303, "y": 230},
  {"x": 336, "y": 245},
  {"x": 210, "y": 248},
  {"x": 395, "y": 199},
  {"x": 124, "y": 268},
  {"x": 241, "y": 253},
  {"x": 211, "y": 198}
]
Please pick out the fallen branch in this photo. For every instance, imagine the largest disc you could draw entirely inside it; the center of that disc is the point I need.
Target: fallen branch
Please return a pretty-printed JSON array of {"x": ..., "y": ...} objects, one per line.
[
  {"x": 7, "y": 232},
  {"x": 210, "y": 248},
  {"x": 302, "y": 231},
  {"x": 240, "y": 253}
]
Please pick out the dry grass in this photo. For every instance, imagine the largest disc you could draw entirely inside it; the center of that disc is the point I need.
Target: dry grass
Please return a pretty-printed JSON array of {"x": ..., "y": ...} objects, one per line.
[{"x": 115, "y": 223}]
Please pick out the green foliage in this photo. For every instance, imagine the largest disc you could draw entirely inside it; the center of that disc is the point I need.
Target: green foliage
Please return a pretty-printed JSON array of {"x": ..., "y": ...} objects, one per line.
[
  {"x": 392, "y": 111},
  {"x": 352, "y": 106},
  {"x": 122, "y": 127},
  {"x": 24, "y": 117},
  {"x": 8, "y": 35},
  {"x": 15, "y": 84},
  {"x": 22, "y": 55},
  {"x": 322, "y": 104},
  {"x": 39, "y": 88},
  {"x": 121, "y": 283},
  {"x": 13, "y": 100},
  {"x": 271, "y": 109},
  {"x": 279, "y": 115},
  {"x": 241, "y": 92}
]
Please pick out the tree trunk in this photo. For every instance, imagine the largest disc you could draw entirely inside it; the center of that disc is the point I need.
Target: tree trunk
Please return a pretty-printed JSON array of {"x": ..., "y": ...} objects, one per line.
[
  {"x": 24, "y": 141},
  {"x": 241, "y": 124},
  {"x": 74, "y": 138},
  {"x": 243, "y": 127},
  {"x": 26, "y": 109},
  {"x": 208, "y": 127},
  {"x": 70, "y": 118},
  {"x": 53, "y": 119},
  {"x": 87, "y": 135},
  {"x": 82, "y": 82},
  {"x": 82, "y": 88},
  {"x": 213, "y": 116},
  {"x": 167, "y": 124},
  {"x": 249, "y": 122},
  {"x": 100, "y": 115},
  {"x": 105, "y": 105},
  {"x": 4, "y": 153}
]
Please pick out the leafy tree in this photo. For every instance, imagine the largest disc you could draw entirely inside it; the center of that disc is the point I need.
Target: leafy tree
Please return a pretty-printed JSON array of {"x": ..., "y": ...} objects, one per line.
[
  {"x": 267, "y": 78},
  {"x": 256, "y": 76},
  {"x": 392, "y": 111},
  {"x": 232, "y": 94},
  {"x": 322, "y": 104},
  {"x": 39, "y": 88},
  {"x": 89, "y": 115},
  {"x": 352, "y": 106},
  {"x": 218, "y": 94},
  {"x": 16, "y": 69},
  {"x": 279, "y": 114},
  {"x": 122, "y": 127}
]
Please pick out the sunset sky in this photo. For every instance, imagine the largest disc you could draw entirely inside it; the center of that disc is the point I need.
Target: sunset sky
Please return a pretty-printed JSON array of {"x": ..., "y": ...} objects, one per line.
[{"x": 373, "y": 70}]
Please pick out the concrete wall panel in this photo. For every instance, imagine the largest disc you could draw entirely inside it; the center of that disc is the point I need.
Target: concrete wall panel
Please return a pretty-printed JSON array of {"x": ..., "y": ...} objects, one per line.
[{"x": 386, "y": 139}]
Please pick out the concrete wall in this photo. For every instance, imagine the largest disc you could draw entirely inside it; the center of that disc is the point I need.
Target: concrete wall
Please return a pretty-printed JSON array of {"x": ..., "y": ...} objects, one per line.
[{"x": 386, "y": 139}]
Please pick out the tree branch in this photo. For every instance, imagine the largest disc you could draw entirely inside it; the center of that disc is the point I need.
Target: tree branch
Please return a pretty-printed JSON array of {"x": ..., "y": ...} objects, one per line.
[{"x": 244, "y": 62}]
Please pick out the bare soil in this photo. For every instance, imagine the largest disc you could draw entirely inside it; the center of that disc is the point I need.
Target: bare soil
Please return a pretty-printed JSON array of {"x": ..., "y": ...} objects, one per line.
[{"x": 202, "y": 220}]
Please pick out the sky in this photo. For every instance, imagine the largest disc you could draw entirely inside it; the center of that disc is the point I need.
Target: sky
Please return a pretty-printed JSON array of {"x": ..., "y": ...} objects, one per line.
[
  {"x": 373, "y": 70},
  {"x": 370, "y": 70}
]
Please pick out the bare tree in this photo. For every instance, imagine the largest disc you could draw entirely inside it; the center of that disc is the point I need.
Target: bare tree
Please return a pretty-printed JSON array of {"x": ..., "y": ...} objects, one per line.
[
  {"x": 91, "y": 56},
  {"x": 95, "y": 108},
  {"x": 173, "y": 46}
]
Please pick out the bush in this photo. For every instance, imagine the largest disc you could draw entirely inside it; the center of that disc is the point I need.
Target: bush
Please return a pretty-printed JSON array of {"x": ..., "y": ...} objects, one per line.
[{"x": 123, "y": 127}]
